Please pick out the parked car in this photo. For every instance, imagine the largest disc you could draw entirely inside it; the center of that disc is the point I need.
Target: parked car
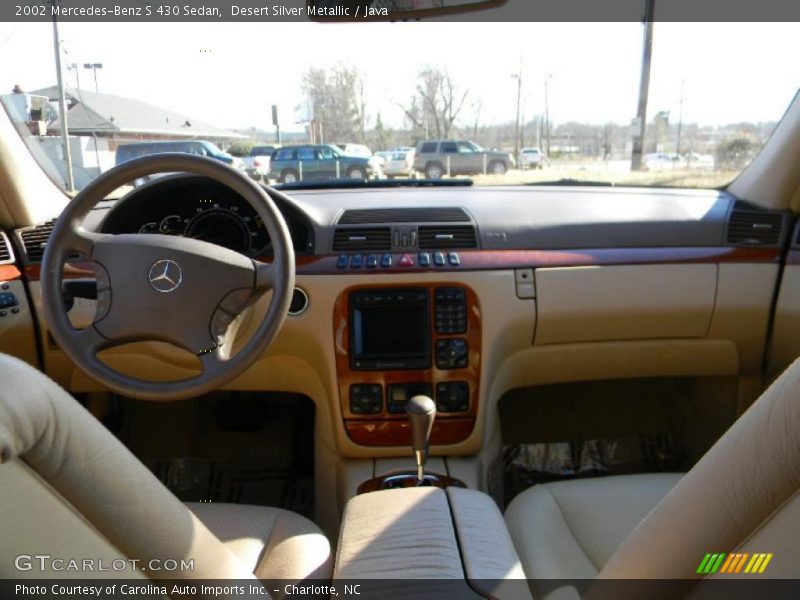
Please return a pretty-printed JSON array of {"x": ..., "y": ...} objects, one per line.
[
  {"x": 385, "y": 156},
  {"x": 127, "y": 152},
  {"x": 362, "y": 150},
  {"x": 400, "y": 162},
  {"x": 257, "y": 163},
  {"x": 531, "y": 158},
  {"x": 319, "y": 161},
  {"x": 436, "y": 158}
]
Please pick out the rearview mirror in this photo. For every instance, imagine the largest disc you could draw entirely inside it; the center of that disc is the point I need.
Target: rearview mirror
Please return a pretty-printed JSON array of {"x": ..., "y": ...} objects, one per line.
[{"x": 346, "y": 10}]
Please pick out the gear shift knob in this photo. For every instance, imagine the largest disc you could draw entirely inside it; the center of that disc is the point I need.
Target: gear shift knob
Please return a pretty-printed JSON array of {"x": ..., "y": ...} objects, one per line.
[{"x": 421, "y": 412}]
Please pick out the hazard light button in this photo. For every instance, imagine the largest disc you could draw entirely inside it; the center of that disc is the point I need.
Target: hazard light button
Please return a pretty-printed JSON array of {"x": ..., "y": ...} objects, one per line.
[{"x": 405, "y": 261}]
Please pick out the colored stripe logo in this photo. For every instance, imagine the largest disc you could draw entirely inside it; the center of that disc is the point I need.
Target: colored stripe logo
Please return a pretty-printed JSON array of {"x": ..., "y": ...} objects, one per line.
[{"x": 733, "y": 563}]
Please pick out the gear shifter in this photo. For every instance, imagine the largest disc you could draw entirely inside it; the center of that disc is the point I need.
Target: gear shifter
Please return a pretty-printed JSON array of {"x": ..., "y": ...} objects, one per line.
[{"x": 421, "y": 412}]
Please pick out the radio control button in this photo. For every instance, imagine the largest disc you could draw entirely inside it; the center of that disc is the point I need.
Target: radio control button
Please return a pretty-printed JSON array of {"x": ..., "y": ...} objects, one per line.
[
  {"x": 452, "y": 396},
  {"x": 366, "y": 399}
]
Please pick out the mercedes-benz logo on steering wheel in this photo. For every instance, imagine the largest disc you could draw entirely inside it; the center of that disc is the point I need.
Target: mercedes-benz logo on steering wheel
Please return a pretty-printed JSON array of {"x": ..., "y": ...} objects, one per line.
[{"x": 165, "y": 276}]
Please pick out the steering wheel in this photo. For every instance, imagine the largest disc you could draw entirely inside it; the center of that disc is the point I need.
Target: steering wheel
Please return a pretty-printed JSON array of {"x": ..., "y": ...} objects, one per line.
[{"x": 153, "y": 287}]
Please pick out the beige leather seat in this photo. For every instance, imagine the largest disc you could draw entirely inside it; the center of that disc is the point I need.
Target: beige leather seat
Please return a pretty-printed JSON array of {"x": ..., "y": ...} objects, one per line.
[
  {"x": 71, "y": 490},
  {"x": 742, "y": 496}
]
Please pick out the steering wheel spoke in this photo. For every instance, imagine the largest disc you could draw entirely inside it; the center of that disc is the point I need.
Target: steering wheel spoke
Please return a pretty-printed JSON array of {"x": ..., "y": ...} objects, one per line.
[
  {"x": 214, "y": 361},
  {"x": 81, "y": 240},
  {"x": 265, "y": 276},
  {"x": 90, "y": 341}
]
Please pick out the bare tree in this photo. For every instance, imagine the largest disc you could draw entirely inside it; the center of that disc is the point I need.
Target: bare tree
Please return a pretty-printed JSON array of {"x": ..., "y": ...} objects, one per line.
[
  {"x": 337, "y": 105},
  {"x": 435, "y": 106}
]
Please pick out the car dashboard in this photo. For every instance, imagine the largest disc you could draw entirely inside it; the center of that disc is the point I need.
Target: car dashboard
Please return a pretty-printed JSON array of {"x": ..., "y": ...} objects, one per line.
[{"x": 463, "y": 293}]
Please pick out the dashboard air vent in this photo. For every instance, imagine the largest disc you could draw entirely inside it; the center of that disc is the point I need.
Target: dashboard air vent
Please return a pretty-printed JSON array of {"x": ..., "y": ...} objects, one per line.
[
  {"x": 34, "y": 239},
  {"x": 754, "y": 227},
  {"x": 442, "y": 237},
  {"x": 403, "y": 215},
  {"x": 5, "y": 250},
  {"x": 373, "y": 239}
]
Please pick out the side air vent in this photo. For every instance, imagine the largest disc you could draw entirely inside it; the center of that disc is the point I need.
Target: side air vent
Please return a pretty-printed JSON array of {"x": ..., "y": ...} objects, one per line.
[
  {"x": 403, "y": 215},
  {"x": 754, "y": 227},
  {"x": 374, "y": 239},
  {"x": 442, "y": 237},
  {"x": 6, "y": 256}
]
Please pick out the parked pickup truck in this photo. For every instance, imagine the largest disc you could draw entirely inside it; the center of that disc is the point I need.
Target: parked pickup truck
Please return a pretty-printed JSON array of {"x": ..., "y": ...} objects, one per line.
[{"x": 257, "y": 163}]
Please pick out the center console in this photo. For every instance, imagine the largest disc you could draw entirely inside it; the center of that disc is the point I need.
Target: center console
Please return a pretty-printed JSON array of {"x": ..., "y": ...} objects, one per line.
[{"x": 395, "y": 343}]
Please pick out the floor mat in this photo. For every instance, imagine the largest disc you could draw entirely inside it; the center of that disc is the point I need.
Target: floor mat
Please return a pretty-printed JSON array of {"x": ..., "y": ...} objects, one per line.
[
  {"x": 239, "y": 481},
  {"x": 241, "y": 447},
  {"x": 525, "y": 465}
]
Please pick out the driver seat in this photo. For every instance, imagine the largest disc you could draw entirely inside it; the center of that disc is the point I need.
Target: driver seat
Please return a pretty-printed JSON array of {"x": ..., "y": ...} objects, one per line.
[{"x": 69, "y": 489}]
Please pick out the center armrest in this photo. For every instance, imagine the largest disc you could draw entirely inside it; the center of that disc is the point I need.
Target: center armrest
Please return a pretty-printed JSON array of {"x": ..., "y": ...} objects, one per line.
[
  {"x": 404, "y": 533},
  {"x": 431, "y": 534}
]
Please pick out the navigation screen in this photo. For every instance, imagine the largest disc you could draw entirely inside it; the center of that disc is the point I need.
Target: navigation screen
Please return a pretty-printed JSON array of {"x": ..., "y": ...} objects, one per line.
[
  {"x": 390, "y": 329},
  {"x": 387, "y": 331}
]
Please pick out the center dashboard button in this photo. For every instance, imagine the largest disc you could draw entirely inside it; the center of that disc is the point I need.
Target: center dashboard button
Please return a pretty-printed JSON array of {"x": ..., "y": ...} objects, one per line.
[{"x": 405, "y": 261}]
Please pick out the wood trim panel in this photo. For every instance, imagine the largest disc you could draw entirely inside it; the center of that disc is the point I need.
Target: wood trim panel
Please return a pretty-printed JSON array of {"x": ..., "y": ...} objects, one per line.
[
  {"x": 481, "y": 260},
  {"x": 387, "y": 429},
  {"x": 377, "y": 483},
  {"x": 72, "y": 270},
  {"x": 9, "y": 273},
  {"x": 398, "y": 433},
  {"x": 793, "y": 257}
]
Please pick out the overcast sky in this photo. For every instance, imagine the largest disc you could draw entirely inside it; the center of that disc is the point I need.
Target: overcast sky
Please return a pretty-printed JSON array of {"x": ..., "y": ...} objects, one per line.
[{"x": 229, "y": 74}]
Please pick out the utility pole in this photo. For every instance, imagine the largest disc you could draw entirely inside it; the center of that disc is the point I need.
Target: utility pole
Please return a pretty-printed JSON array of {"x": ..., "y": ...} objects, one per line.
[
  {"x": 518, "y": 77},
  {"x": 547, "y": 114},
  {"x": 680, "y": 123},
  {"x": 62, "y": 107},
  {"x": 277, "y": 123},
  {"x": 644, "y": 87}
]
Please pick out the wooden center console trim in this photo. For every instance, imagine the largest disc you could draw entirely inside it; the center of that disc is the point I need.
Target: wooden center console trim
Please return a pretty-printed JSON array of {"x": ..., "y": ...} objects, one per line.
[
  {"x": 383, "y": 432},
  {"x": 387, "y": 429}
]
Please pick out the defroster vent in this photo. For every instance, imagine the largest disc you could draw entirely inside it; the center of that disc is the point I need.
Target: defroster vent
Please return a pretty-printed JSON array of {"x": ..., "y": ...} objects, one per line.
[{"x": 423, "y": 214}]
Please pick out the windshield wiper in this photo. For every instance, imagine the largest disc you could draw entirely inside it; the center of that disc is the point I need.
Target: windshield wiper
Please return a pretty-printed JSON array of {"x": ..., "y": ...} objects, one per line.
[
  {"x": 574, "y": 182},
  {"x": 347, "y": 184}
]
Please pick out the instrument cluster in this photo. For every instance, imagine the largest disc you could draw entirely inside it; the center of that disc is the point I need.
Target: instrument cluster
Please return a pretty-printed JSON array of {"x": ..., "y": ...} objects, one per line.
[{"x": 198, "y": 208}]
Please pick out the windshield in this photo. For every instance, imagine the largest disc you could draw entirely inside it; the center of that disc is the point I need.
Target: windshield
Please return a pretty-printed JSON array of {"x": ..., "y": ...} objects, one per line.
[{"x": 475, "y": 100}]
